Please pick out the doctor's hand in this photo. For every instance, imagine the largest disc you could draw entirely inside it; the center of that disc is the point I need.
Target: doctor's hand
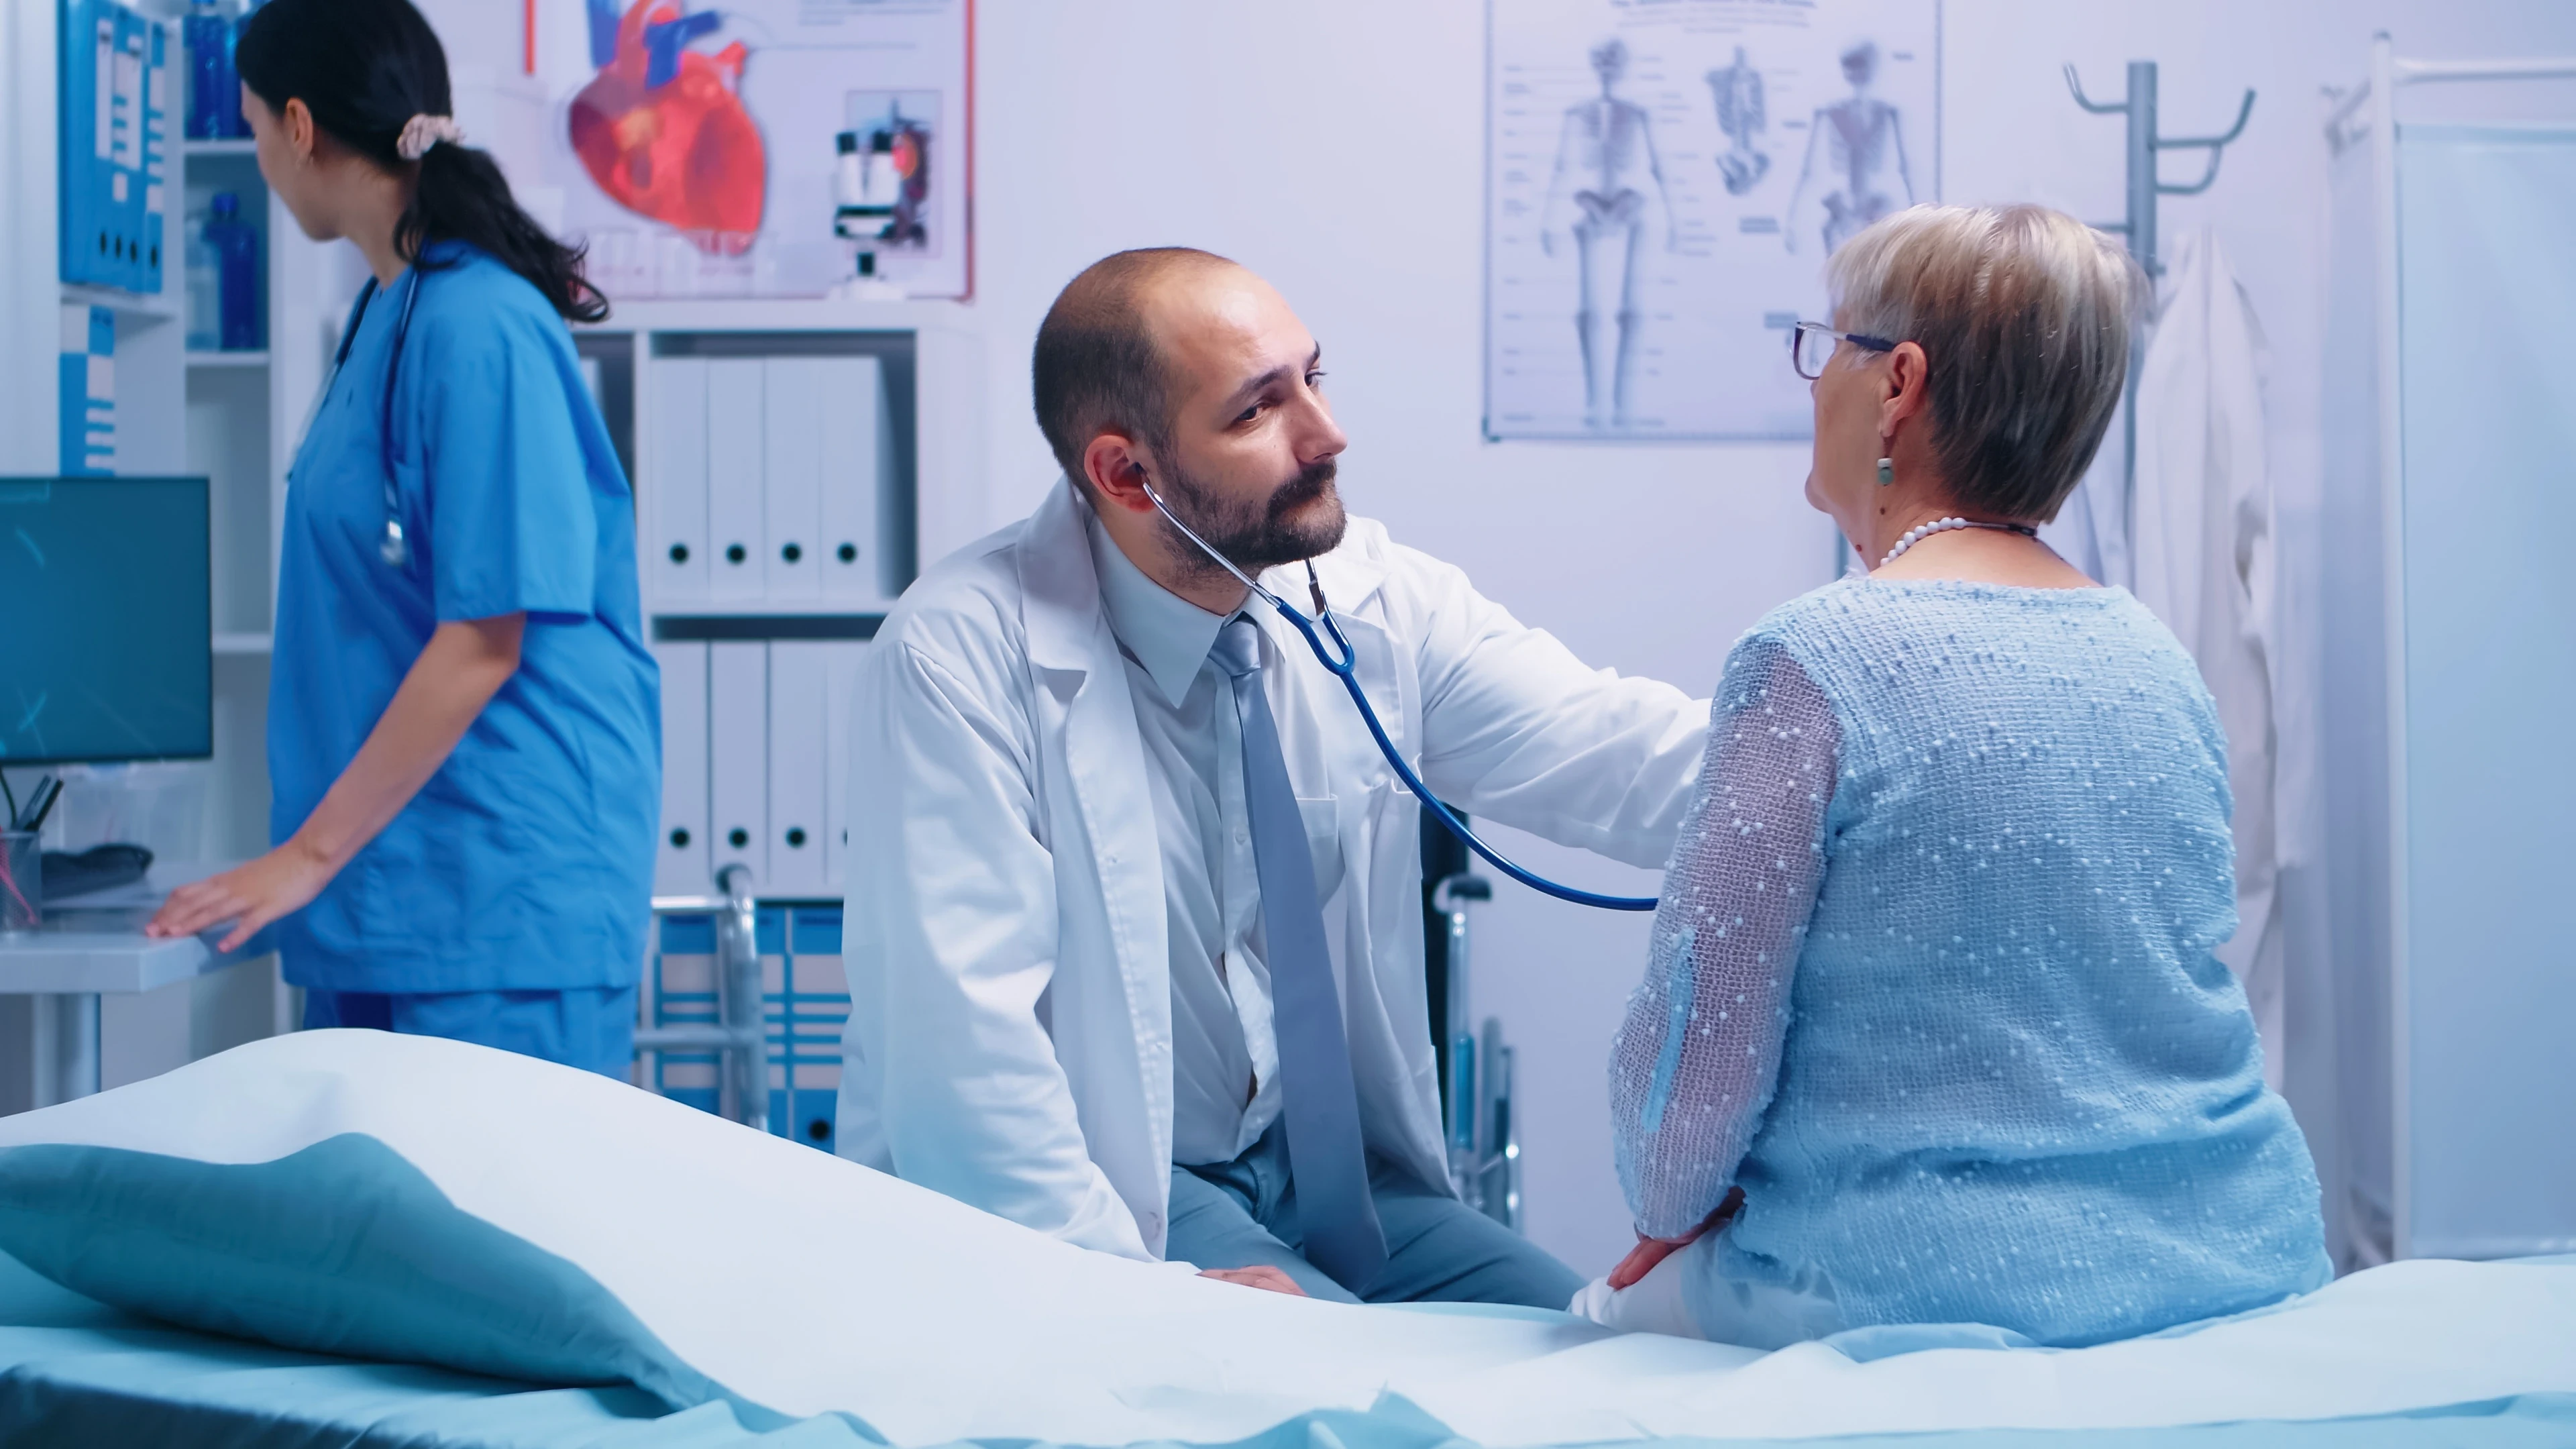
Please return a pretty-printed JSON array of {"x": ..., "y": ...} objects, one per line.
[
  {"x": 1263, "y": 1277},
  {"x": 1641, "y": 1259},
  {"x": 279, "y": 883}
]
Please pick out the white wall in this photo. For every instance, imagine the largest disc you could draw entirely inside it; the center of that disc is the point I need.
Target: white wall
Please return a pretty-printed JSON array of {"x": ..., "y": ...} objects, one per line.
[{"x": 1337, "y": 147}]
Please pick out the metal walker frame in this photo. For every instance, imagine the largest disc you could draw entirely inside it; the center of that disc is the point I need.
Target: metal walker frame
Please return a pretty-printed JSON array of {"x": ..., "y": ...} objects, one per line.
[
  {"x": 1484, "y": 1141},
  {"x": 740, "y": 1037}
]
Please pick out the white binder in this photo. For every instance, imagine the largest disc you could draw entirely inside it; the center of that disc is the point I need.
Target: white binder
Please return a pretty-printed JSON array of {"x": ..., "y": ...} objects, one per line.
[
  {"x": 680, "y": 866},
  {"x": 675, "y": 558},
  {"x": 792, "y": 408},
  {"x": 738, "y": 751},
  {"x": 855, "y": 443},
  {"x": 799, "y": 685},
  {"x": 737, "y": 473},
  {"x": 841, "y": 678}
]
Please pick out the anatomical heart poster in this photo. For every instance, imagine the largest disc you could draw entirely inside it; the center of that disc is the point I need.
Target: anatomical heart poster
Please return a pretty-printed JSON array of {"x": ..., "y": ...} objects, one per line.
[{"x": 766, "y": 148}]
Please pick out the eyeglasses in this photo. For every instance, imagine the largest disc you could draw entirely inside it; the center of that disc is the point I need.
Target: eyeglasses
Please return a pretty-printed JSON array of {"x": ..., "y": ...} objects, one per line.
[{"x": 1811, "y": 346}]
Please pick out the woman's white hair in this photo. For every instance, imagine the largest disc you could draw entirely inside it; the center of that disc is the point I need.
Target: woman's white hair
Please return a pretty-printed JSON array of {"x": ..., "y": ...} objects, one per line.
[{"x": 2024, "y": 313}]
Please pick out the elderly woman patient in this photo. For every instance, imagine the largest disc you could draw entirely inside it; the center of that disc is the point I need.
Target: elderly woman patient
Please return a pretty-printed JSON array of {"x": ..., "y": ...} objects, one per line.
[{"x": 1931, "y": 1008}]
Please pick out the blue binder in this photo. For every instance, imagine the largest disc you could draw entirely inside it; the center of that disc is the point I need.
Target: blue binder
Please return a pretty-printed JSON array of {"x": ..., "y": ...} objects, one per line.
[
  {"x": 87, "y": 399},
  {"x": 83, "y": 54},
  {"x": 125, "y": 176},
  {"x": 157, "y": 87},
  {"x": 113, "y": 90}
]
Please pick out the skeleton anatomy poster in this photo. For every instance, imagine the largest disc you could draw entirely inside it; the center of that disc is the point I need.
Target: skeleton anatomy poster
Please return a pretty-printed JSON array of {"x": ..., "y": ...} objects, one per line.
[
  {"x": 1665, "y": 179},
  {"x": 760, "y": 148}
]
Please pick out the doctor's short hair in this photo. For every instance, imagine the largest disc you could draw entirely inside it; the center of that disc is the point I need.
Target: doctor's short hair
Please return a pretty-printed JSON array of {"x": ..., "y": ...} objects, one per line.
[
  {"x": 2024, "y": 314},
  {"x": 1095, "y": 368}
]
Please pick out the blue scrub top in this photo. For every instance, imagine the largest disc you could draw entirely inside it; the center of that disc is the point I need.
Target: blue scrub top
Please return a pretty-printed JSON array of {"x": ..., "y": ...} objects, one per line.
[{"x": 526, "y": 862}]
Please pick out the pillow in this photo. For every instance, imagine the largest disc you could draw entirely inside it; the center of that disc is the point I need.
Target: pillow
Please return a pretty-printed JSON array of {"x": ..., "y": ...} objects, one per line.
[{"x": 341, "y": 1248}]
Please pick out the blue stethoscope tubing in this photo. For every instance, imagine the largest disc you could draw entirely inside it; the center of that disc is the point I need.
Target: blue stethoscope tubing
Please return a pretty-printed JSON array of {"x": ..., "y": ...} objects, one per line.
[
  {"x": 1343, "y": 661},
  {"x": 393, "y": 549}
]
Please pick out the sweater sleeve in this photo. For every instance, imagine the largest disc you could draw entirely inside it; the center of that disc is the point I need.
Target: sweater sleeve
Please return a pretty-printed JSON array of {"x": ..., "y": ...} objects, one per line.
[{"x": 1695, "y": 1062}]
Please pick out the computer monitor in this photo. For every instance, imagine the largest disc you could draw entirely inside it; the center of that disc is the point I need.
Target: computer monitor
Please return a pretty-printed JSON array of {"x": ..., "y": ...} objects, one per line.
[{"x": 106, "y": 632}]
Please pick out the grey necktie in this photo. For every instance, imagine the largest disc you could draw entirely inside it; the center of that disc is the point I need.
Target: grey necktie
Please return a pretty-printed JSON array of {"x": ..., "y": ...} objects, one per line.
[{"x": 1327, "y": 1162}]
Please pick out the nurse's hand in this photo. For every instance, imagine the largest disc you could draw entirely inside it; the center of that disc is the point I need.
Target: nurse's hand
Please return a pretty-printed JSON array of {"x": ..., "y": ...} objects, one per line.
[
  {"x": 465, "y": 664},
  {"x": 277, "y": 884},
  {"x": 1263, "y": 1277}
]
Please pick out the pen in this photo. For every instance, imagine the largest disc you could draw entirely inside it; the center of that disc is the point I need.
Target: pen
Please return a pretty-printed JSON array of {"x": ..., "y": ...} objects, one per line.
[{"x": 46, "y": 794}]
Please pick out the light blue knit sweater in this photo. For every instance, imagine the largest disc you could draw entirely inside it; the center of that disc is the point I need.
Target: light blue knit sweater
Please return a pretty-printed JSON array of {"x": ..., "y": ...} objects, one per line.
[{"x": 1933, "y": 979}]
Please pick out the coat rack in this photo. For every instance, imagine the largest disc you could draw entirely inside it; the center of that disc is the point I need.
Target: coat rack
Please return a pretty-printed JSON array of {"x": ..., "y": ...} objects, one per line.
[{"x": 2145, "y": 185}]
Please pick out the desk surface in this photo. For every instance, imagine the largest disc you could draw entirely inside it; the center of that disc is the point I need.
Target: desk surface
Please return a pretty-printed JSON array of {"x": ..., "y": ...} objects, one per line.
[{"x": 95, "y": 943}]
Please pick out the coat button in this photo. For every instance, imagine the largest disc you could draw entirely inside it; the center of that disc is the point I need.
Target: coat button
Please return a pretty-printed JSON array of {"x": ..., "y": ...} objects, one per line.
[{"x": 1153, "y": 1223}]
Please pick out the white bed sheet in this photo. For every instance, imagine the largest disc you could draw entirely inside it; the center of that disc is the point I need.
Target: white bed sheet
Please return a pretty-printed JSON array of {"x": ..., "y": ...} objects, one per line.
[{"x": 807, "y": 1284}]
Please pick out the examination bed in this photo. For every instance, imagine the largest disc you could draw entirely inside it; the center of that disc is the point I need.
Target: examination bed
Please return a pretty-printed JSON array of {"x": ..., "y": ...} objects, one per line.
[{"x": 352, "y": 1238}]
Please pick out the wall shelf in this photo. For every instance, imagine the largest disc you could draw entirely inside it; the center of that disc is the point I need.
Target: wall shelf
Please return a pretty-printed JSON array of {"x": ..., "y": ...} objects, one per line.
[
  {"x": 241, "y": 643},
  {"x": 722, "y": 315},
  {"x": 228, "y": 359},
  {"x": 683, "y": 628},
  {"x": 162, "y": 306},
  {"x": 219, "y": 146}
]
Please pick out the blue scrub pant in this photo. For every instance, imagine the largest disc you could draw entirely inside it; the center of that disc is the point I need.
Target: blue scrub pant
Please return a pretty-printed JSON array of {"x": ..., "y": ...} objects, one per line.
[
  {"x": 592, "y": 1028},
  {"x": 1243, "y": 1214}
]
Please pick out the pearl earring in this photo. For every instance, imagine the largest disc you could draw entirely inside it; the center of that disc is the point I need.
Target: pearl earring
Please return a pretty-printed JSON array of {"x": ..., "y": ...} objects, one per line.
[{"x": 1886, "y": 471}]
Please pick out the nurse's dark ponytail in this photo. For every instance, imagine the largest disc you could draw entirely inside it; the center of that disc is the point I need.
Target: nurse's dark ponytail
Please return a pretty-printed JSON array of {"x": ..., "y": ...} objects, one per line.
[{"x": 364, "y": 68}]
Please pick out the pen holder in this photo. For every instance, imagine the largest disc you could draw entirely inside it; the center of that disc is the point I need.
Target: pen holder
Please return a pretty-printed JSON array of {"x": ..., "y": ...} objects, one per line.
[{"x": 22, "y": 880}]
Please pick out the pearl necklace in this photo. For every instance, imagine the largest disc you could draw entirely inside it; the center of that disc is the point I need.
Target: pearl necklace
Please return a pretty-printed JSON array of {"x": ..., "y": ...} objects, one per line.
[{"x": 1921, "y": 532}]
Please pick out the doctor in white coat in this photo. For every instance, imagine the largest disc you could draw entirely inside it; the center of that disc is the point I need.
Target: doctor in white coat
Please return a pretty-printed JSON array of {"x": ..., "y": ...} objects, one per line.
[{"x": 1084, "y": 996}]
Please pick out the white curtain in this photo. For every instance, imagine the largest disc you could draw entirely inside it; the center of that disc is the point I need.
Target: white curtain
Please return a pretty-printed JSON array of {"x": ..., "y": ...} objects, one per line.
[{"x": 2202, "y": 560}]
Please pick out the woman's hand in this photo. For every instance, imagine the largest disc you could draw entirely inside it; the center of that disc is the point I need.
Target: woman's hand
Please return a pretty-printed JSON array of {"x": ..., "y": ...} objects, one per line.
[
  {"x": 465, "y": 663},
  {"x": 277, "y": 884},
  {"x": 1641, "y": 1259}
]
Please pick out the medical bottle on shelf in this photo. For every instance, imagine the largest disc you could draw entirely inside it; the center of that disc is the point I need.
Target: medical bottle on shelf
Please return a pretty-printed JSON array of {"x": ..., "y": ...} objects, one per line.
[
  {"x": 204, "y": 286},
  {"x": 214, "y": 92},
  {"x": 235, "y": 244},
  {"x": 238, "y": 125}
]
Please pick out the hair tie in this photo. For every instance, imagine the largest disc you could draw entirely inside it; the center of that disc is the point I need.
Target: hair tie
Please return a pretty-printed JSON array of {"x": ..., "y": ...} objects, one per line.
[{"x": 422, "y": 132}]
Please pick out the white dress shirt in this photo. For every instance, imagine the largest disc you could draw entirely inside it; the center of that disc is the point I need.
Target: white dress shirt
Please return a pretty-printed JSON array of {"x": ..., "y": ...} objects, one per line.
[{"x": 1225, "y": 1053}]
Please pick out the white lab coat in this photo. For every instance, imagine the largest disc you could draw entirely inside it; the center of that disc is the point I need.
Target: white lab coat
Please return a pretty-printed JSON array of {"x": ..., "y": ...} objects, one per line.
[
  {"x": 1010, "y": 1035},
  {"x": 2204, "y": 564}
]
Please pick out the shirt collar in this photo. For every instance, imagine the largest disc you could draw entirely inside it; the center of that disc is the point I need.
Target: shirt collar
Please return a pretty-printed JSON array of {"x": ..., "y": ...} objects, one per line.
[{"x": 1167, "y": 634}]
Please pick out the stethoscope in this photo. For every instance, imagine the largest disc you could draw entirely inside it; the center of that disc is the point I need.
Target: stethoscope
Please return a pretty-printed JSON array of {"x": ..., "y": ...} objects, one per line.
[
  {"x": 1343, "y": 661},
  {"x": 394, "y": 548}
]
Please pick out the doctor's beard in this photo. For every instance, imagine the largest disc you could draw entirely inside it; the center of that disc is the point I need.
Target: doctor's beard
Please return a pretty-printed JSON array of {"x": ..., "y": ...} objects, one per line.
[{"x": 1257, "y": 535}]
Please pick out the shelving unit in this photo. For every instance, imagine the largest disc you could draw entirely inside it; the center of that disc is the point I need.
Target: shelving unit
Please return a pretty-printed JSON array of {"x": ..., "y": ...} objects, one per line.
[
  {"x": 753, "y": 672},
  {"x": 230, "y": 416}
]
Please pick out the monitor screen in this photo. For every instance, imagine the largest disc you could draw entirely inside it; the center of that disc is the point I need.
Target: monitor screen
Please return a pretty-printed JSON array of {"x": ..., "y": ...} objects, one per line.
[{"x": 106, "y": 634}]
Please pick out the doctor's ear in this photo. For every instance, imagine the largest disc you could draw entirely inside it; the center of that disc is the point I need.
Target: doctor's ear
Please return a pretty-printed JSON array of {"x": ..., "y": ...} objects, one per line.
[{"x": 1114, "y": 466}]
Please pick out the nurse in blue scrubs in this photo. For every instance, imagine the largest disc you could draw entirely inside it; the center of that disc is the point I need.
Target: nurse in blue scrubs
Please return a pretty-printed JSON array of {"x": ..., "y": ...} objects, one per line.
[{"x": 464, "y": 748}]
